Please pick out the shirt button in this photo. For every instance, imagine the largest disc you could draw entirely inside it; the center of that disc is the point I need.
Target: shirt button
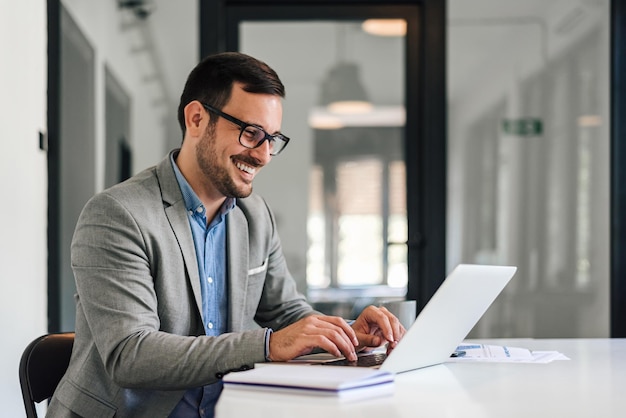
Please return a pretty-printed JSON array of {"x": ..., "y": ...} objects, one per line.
[
  {"x": 199, "y": 210},
  {"x": 209, "y": 279},
  {"x": 210, "y": 325}
]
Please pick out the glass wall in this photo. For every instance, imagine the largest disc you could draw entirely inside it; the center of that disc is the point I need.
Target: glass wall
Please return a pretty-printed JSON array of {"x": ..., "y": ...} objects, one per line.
[
  {"x": 339, "y": 190},
  {"x": 528, "y": 160}
]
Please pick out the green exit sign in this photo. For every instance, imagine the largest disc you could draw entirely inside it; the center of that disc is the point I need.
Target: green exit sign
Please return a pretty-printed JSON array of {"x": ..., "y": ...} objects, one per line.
[{"x": 523, "y": 127}]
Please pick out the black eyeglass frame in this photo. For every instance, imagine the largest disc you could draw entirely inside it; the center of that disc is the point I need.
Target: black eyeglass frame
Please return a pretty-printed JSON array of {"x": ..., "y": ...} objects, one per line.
[{"x": 276, "y": 140}]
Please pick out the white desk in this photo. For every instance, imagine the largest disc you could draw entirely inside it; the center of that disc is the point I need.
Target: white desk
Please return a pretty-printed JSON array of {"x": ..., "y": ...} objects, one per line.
[{"x": 591, "y": 384}]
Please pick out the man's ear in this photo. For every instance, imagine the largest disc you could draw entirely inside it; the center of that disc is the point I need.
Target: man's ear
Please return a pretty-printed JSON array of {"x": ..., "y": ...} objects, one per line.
[{"x": 194, "y": 115}]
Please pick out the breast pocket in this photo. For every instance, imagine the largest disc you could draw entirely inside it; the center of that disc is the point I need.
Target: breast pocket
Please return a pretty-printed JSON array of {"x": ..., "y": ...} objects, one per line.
[
  {"x": 254, "y": 290},
  {"x": 260, "y": 269}
]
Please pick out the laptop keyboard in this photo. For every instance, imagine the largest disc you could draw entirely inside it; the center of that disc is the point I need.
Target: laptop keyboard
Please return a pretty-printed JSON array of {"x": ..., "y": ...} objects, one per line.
[{"x": 363, "y": 360}]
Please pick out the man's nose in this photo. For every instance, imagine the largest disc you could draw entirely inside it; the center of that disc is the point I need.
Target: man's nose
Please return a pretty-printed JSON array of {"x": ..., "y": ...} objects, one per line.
[{"x": 262, "y": 152}]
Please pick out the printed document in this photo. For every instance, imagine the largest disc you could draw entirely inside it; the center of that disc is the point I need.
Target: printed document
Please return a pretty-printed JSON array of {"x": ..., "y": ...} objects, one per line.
[{"x": 502, "y": 354}]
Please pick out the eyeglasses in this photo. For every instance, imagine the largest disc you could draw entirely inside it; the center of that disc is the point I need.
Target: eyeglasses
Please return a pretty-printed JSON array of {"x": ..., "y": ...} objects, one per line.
[{"x": 252, "y": 136}]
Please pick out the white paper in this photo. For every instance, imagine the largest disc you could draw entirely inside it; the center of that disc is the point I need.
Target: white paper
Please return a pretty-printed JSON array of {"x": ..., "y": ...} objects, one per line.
[{"x": 503, "y": 354}]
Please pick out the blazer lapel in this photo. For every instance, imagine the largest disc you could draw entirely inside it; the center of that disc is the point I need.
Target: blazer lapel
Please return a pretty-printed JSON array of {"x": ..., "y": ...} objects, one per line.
[
  {"x": 237, "y": 250},
  {"x": 177, "y": 215}
]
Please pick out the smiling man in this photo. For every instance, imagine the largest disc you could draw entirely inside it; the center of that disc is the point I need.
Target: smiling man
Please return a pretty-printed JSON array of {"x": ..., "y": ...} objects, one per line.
[{"x": 179, "y": 272}]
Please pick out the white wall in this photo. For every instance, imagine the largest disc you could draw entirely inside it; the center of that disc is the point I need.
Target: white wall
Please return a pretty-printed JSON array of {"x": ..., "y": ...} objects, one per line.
[
  {"x": 143, "y": 58},
  {"x": 23, "y": 187},
  {"x": 23, "y": 172},
  {"x": 141, "y": 54}
]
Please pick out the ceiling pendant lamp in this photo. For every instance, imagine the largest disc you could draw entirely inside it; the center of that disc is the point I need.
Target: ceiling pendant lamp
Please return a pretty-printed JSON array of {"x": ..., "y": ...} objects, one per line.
[{"x": 342, "y": 91}]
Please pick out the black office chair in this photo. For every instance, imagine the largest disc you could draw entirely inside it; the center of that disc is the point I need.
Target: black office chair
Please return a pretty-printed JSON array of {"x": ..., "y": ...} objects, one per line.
[{"x": 42, "y": 366}]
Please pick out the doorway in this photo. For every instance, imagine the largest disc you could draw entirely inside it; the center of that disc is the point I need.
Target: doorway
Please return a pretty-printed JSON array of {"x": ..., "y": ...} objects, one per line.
[
  {"x": 117, "y": 131},
  {"x": 77, "y": 179},
  {"x": 423, "y": 136}
]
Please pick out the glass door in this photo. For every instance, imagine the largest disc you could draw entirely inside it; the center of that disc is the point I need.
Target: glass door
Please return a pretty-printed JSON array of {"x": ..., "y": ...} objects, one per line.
[
  {"x": 528, "y": 160},
  {"x": 340, "y": 191}
]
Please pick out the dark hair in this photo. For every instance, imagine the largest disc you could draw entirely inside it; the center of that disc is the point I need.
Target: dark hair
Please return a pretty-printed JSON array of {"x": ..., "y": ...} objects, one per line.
[{"x": 211, "y": 81}]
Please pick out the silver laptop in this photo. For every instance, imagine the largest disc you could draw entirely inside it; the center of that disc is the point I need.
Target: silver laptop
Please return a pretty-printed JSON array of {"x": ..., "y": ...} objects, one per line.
[{"x": 445, "y": 321}]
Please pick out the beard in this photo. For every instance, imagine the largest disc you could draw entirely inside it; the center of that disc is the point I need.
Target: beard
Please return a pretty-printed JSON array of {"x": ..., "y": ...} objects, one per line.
[{"x": 216, "y": 174}]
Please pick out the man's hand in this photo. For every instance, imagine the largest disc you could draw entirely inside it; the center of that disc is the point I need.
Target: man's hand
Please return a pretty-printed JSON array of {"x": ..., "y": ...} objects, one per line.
[
  {"x": 377, "y": 326},
  {"x": 329, "y": 333}
]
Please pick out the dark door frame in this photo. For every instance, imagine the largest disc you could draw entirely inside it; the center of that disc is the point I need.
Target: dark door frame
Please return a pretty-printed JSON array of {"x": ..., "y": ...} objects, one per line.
[
  {"x": 54, "y": 157},
  {"x": 426, "y": 123},
  {"x": 618, "y": 168}
]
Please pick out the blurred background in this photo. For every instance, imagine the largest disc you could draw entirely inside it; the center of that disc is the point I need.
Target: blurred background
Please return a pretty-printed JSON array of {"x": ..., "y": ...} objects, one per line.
[
  {"x": 527, "y": 177},
  {"x": 527, "y": 146}
]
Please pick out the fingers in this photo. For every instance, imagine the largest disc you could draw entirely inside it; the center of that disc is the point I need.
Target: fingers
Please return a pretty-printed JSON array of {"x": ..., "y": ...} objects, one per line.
[
  {"x": 370, "y": 340},
  {"x": 397, "y": 328},
  {"x": 341, "y": 323},
  {"x": 375, "y": 326},
  {"x": 338, "y": 337},
  {"x": 331, "y": 334}
]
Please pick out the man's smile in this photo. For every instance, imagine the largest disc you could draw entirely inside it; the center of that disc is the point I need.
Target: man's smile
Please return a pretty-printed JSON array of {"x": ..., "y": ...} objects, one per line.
[{"x": 244, "y": 167}]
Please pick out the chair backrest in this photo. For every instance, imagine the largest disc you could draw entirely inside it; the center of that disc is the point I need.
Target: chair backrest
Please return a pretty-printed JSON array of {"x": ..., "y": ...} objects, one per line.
[{"x": 42, "y": 366}]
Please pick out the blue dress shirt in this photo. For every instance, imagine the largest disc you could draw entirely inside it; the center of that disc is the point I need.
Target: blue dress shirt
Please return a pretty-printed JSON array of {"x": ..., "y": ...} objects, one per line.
[{"x": 210, "y": 244}]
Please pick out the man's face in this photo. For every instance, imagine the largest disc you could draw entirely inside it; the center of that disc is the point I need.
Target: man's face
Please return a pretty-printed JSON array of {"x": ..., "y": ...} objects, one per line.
[{"x": 226, "y": 164}]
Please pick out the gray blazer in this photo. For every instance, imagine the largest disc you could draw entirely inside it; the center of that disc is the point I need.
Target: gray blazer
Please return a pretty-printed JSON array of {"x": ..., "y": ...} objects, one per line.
[{"x": 140, "y": 342}]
